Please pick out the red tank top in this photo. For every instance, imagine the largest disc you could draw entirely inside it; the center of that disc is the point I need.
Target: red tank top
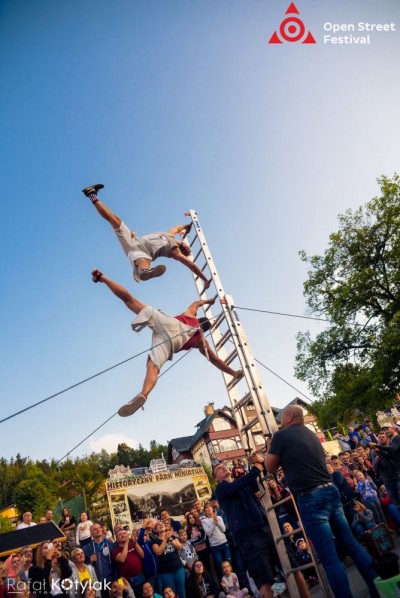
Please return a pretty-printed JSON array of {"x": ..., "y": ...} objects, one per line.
[{"x": 193, "y": 342}]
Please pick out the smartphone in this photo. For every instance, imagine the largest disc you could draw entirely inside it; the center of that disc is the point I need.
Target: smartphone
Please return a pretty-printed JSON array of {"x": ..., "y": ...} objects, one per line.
[{"x": 49, "y": 545}]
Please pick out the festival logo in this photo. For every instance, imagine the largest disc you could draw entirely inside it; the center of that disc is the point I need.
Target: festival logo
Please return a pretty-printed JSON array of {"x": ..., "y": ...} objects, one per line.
[{"x": 292, "y": 29}]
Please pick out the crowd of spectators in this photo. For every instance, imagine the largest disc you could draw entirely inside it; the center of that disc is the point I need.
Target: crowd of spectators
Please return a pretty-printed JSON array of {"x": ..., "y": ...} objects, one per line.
[
  {"x": 164, "y": 557},
  {"x": 200, "y": 556}
]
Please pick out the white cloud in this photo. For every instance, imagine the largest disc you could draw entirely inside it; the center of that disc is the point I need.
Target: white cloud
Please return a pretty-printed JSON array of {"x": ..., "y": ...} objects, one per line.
[{"x": 110, "y": 442}]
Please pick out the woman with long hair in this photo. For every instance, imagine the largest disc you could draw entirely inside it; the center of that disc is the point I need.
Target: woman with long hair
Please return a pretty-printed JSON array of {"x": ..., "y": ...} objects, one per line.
[
  {"x": 200, "y": 583},
  {"x": 197, "y": 537},
  {"x": 166, "y": 546},
  {"x": 50, "y": 571}
]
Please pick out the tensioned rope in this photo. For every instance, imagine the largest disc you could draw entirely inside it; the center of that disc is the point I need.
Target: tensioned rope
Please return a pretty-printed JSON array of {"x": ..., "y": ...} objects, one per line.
[
  {"x": 138, "y": 355},
  {"x": 283, "y": 380},
  {"x": 278, "y": 313},
  {"x": 60, "y": 392},
  {"x": 114, "y": 414}
]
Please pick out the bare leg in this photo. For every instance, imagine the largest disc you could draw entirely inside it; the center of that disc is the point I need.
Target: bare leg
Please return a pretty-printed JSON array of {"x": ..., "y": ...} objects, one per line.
[
  {"x": 304, "y": 592},
  {"x": 151, "y": 378},
  {"x": 106, "y": 213},
  {"x": 142, "y": 263},
  {"x": 218, "y": 363},
  {"x": 265, "y": 591},
  {"x": 119, "y": 291}
]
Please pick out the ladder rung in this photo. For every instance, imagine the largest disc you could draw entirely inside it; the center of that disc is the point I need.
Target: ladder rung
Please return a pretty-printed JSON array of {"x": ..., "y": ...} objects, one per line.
[
  {"x": 233, "y": 383},
  {"x": 295, "y": 531},
  {"x": 197, "y": 254},
  {"x": 279, "y": 503},
  {"x": 231, "y": 357},
  {"x": 218, "y": 320},
  {"x": 225, "y": 337},
  {"x": 209, "y": 280},
  {"x": 207, "y": 307},
  {"x": 248, "y": 426},
  {"x": 243, "y": 402}
]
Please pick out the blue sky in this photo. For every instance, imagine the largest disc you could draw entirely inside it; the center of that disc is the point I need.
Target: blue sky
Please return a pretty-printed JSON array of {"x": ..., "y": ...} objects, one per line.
[{"x": 173, "y": 105}]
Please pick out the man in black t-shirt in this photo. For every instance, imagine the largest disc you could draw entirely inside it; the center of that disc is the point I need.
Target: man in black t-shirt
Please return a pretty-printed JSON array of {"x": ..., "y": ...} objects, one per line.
[{"x": 302, "y": 458}]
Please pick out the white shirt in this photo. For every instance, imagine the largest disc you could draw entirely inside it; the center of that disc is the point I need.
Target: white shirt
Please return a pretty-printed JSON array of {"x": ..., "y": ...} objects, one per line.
[{"x": 24, "y": 525}]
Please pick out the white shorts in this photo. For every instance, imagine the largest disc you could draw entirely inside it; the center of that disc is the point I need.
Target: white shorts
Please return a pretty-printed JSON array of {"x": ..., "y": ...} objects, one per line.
[
  {"x": 150, "y": 246},
  {"x": 169, "y": 334}
]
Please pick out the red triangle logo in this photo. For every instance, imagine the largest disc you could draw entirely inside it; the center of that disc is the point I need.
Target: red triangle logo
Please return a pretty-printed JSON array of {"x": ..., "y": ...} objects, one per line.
[
  {"x": 274, "y": 39},
  {"x": 309, "y": 39},
  {"x": 292, "y": 9}
]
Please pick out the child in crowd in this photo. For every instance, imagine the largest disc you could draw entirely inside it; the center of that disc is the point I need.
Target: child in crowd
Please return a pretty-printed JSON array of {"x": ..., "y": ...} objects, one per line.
[
  {"x": 363, "y": 518},
  {"x": 230, "y": 582},
  {"x": 304, "y": 558},
  {"x": 187, "y": 552}
]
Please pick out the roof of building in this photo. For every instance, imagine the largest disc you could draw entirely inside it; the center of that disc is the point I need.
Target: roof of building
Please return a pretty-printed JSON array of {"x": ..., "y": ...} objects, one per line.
[
  {"x": 187, "y": 442},
  {"x": 181, "y": 444}
]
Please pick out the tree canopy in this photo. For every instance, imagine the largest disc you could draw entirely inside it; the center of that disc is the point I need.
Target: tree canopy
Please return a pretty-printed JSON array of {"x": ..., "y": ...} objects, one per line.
[
  {"x": 354, "y": 365},
  {"x": 41, "y": 485}
]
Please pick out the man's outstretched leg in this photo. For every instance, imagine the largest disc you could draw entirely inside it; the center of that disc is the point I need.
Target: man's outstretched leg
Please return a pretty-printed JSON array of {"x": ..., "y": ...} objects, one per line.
[
  {"x": 149, "y": 383},
  {"x": 125, "y": 236},
  {"x": 119, "y": 291}
]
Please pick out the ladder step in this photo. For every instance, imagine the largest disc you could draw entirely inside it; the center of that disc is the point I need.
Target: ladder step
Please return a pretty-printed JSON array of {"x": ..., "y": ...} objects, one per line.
[
  {"x": 209, "y": 280},
  {"x": 225, "y": 337},
  {"x": 233, "y": 383},
  {"x": 207, "y": 307},
  {"x": 218, "y": 320},
  {"x": 197, "y": 254},
  {"x": 279, "y": 503},
  {"x": 231, "y": 357},
  {"x": 248, "y": 426},
  {"x": 243, "y": 402}
]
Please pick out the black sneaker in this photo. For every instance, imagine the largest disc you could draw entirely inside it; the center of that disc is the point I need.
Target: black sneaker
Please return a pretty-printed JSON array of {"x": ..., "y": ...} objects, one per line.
[
  {"x": 93, "y": 189},
  {"x": 133, "y": 405},
  {"x": 152, "y": 272},
  {"x": 96, "y": 275}
]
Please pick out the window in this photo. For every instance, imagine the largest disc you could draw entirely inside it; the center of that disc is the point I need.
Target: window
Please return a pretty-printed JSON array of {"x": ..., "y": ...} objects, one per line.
[
  {"x": 228, "y": 444},
  {"x": 220, "y": 424},
  {"x": 175, "y": 454},
  {"x": 259, "y": 439}
]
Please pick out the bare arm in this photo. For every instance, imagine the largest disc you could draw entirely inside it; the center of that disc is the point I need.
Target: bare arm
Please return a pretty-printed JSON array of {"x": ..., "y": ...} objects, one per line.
[
  {"x": 179, "y": 257},
  {"x": 158, "y": 549},
  {"x": 121, "y": 557}
]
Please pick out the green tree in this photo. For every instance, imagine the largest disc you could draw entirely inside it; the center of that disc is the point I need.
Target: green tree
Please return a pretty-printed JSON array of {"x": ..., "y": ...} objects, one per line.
[
  {"x": 354, "y": 365},
  {"x": 5, "y": 525},
  {"x": 36, "y": 493},
  {"x": 84, "y": 477}
]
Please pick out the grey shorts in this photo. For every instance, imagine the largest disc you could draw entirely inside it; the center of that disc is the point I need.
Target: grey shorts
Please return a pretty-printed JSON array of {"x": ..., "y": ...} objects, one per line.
[
  {"x": 169, "y": 334},
  {"x": 149, "y": 247}
]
